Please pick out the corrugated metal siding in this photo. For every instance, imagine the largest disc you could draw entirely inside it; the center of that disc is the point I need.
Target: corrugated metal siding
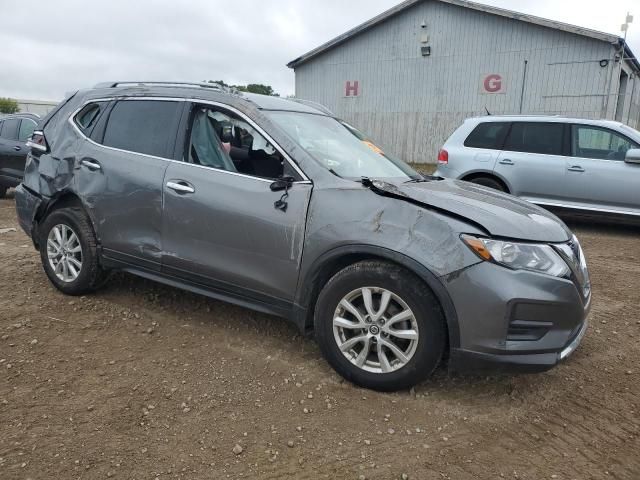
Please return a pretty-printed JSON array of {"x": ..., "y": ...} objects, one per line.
[{"x": 411, "y": 104}]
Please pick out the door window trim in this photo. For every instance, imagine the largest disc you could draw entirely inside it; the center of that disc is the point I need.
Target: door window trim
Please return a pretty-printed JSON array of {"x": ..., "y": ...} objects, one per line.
[
  {"x": 596, "y": 127},
  {"x": 293, "y": 164}
]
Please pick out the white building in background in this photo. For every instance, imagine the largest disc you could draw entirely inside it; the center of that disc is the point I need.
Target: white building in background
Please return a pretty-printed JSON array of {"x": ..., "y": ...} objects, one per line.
[
  {"x": 39, "y": 107},
  {"x": 411, "y": 75}
]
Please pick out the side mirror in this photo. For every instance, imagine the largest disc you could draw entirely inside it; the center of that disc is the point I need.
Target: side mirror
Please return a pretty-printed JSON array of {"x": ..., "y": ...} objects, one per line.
[
  {"x": 633, "y": 156},
  {"x": 281, "y": 184}
]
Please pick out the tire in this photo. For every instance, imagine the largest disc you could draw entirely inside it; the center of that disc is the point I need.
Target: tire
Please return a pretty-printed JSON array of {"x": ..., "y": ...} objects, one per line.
[
  {"x": 489, "y": 182},
  {"x": 90, "y": 276},
  {"x": 422, "y": 353},
  {"x": 3, "y": 191}
]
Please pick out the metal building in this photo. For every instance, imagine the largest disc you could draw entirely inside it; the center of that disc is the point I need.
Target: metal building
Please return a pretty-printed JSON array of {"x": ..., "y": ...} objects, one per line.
[{"x": 411, "y": 75}]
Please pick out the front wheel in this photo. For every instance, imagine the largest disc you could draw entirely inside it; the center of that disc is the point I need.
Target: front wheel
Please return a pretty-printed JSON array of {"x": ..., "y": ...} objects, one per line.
[
  {"x": 380, "y": 326},
  {"x": 69, "y": 252}
]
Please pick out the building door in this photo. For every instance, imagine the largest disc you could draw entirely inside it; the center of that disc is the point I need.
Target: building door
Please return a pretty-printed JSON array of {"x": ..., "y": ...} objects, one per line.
[{"x": 622, "y": 95}]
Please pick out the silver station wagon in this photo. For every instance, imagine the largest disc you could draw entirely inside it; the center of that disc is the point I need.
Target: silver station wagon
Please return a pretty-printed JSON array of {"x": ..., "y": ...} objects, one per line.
[{"x": 588, "y": 165}]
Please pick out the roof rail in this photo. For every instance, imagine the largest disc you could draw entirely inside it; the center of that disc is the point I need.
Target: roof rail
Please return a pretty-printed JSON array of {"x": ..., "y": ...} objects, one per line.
[
  {"x": 212, "y": 86},
  {"x": 316, "y": 105}
]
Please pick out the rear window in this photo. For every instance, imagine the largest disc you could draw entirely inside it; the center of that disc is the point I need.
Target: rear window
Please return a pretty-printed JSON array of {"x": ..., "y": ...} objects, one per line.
[
  {"x": 488, "y": 135},
  {"x": 10, "y": 129},
  {"x": 142, "y": 126},
  {"x": 536, "y": 137}
]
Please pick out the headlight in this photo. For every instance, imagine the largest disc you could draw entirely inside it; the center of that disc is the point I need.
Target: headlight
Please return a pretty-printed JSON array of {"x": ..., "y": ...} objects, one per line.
[{"x": 539, "y": 258}]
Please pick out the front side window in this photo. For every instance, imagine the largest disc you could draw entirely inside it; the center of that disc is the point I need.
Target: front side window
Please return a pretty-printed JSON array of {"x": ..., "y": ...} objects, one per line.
[
  {"x": 599, "y": 143},
  {"x": 488, "y": 135},
  {"x": 341, "y": 148},
  {"x": 10, "y": 129},
  {"x": 143, "y": 126},
  {"x": 536, "y": 137},
  {"x": 27, "y": 126},
  {"x": 225, "y": 141}
]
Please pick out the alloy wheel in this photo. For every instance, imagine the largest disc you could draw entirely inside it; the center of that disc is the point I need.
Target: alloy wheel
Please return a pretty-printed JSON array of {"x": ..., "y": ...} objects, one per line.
[
  {"x": 375, "y": 330},
  {"x": 65, "y": 253}
]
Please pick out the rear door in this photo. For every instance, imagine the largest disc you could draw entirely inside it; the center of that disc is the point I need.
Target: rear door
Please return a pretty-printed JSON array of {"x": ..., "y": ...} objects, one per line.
[
  {"x": 120, "y": 169},
  {"x": 533, "y": 161},
  {"x": 597, "y": 175}
]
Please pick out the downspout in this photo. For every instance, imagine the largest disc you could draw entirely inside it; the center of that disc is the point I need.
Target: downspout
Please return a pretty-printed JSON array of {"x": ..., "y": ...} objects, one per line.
[{"x": 524, "y": 83}]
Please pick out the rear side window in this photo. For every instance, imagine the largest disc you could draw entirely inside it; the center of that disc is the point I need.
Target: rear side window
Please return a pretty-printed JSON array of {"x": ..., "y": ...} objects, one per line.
[
  {"x": 536, "y": 137},
  {"x": 488, "y": 135},
  {"x": 27, "y": 126},
  {"x": 10, "y": 129},
  {"x": 88, "y": 116},
  {"x": 143, "y": 126}
]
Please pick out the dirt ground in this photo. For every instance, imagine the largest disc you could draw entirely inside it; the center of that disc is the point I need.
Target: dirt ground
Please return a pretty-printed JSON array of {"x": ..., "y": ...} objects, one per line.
[{"x": 141, "y": 381}]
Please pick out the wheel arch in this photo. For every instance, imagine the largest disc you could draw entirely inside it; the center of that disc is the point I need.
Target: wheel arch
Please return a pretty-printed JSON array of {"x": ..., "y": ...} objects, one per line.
[
  {"x": 487, "y": 174},
  {"x": 63, "y": 199},
  {"x": 330, "y": 263}
]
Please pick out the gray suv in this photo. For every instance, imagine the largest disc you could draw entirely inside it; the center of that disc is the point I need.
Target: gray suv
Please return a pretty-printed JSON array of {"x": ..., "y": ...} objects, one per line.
[
  {"x": 278, "y": 206},
  {"x": 582, "y": 165}
]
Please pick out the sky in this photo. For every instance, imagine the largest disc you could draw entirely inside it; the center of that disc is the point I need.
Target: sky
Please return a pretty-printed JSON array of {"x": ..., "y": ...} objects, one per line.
[{"x": 51, "y": 47}]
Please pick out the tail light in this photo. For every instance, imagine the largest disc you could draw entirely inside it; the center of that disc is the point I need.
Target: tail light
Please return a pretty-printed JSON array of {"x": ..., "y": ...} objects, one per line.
[
  {"x": 443, "y": 157},
  {"x": 38, "y": 142}
]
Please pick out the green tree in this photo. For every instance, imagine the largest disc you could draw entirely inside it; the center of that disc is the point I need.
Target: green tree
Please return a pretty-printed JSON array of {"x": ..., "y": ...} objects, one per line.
[
  {"x": 8, "y": 105},
  {"x": 251, "y": 88}
]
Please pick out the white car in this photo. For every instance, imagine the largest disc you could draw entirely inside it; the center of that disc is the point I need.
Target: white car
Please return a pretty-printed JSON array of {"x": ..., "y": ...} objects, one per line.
[{"x": 591, "y": 165}]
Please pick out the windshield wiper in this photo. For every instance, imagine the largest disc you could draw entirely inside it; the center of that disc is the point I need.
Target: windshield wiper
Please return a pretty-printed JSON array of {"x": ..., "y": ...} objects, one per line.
[{"x": 418, "y": 179}]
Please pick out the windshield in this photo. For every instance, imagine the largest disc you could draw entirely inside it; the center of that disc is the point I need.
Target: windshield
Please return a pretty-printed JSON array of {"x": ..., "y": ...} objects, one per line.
[
  {"x": 340, "y": 148},
  {"x": 632, "y": 132}
]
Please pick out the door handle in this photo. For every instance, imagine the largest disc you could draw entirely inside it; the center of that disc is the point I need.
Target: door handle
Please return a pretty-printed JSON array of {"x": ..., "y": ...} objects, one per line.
[
  {"x": 180, "y": 186},
  {"x": 91, "y": 164},
  {"x": 506, "y": 161},
  {"x": 576, "y": 168},
  {"x": 17, "y": 148}
]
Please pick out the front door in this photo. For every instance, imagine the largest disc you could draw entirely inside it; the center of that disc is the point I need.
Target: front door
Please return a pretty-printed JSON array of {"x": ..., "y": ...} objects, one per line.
[
  {"x": 597, "y": 175},
  {"x": 533, "y": 162},
  {"x": 221, "y": 224}
]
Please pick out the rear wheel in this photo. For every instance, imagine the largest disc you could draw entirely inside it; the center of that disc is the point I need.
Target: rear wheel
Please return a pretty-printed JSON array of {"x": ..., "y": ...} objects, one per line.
[
  {"x": 380, "y": 326},
  {"x": 68, "y": 249},
  {"x": 3, "y": 191},
  {"x": 489, "y": 182}
]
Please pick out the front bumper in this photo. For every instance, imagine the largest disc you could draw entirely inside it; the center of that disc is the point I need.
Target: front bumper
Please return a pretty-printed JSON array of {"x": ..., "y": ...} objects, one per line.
[{"x": 514, "y": 321}]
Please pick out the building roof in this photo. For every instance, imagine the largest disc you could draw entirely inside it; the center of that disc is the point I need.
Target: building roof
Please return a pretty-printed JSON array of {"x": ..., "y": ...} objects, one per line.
[{"x": 544, "y": 22}]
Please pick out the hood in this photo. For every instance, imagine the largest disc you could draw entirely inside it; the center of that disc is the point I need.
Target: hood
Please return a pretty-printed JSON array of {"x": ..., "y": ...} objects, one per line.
[{"x": 500, "y": 214}]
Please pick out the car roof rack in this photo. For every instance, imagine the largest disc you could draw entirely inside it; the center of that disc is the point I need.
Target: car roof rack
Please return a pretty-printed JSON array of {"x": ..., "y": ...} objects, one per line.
[{"x": 212, "y": 86}]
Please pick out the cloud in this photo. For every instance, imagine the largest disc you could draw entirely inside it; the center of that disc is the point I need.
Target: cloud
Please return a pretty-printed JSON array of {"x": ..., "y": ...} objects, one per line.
[{"x": 58, "y": 46}]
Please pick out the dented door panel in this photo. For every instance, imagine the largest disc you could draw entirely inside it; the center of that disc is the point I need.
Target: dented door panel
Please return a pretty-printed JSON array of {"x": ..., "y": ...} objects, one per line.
[
  {"x": 229, "y": 233},
  {"x": 123, "y": 193}
]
